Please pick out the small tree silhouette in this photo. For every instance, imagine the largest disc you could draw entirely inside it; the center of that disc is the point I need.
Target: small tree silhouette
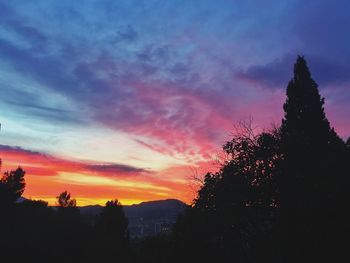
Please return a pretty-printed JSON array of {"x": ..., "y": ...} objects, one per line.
[
  {"x": 12, "y": 186},
  {"x": 112, "y": 232},
  {"x": 112, "y": 220},
  {"x": 64, "y": 200}
]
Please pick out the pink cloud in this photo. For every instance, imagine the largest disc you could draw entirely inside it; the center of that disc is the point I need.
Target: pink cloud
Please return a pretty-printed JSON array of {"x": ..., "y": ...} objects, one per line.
[
  {"x": 48, "y": 175},
  {"x": 37, "y": 163}
]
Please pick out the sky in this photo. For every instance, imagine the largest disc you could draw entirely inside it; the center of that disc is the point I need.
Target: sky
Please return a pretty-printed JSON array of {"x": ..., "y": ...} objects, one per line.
[{"x": 129, "y": 99}]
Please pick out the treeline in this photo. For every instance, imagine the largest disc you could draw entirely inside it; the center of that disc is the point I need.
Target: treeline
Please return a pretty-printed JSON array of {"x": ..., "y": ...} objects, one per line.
[
  {"x": 279, "y": 196},
  {"x": 32, "y": 231}
]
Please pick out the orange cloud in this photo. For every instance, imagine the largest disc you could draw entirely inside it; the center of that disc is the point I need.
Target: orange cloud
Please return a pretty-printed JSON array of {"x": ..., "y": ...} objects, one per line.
[{"x": 94, "y": 183}]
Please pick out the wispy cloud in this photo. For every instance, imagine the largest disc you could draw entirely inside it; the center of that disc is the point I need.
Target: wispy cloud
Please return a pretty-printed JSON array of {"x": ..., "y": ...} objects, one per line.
[{"x": 38, "y": 163}]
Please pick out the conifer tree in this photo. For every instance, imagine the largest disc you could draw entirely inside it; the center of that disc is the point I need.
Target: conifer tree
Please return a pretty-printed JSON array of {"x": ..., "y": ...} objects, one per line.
[
  {"x": 306, "y": 134},
  {"x": 12, "y": 186},
  {"x": 312, "y": 173}
]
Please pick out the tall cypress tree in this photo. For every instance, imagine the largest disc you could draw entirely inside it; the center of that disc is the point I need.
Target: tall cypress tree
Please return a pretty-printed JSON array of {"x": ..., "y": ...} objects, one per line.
[
  {"x": 306, "y": 134},
  {"x": 311, "y": 171},
  {"x": 304, "y": 113}
]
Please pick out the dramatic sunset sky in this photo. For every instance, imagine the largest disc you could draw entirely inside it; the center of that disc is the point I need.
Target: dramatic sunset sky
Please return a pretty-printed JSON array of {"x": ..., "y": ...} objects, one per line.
[{"x": 126, "y": 99}]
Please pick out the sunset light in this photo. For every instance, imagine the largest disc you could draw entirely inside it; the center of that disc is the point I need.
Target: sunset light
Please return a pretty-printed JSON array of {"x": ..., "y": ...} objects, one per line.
[
  {"x": 95, "y": 100},
  {"x": 174, "y": 131}
]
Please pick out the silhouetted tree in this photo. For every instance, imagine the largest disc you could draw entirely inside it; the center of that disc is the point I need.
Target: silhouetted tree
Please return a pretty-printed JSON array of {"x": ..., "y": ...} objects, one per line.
[
  {"x": 234, "y": 208},
  {"x": 113, "y": 220},
  {"x": 112, "y": 232},
  {"x": 71, "y": 230},
  {"x": 12, "y": 186},
  {"x": 290, "y": 185},
  {"x": 64, "y": 200},
  {"x": 35, "y": 223},
  {"x": 311, "y": 171}
]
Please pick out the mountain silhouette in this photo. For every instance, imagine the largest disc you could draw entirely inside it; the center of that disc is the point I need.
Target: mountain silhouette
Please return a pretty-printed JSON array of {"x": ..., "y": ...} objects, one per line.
[{"x": 145, "y": 219}]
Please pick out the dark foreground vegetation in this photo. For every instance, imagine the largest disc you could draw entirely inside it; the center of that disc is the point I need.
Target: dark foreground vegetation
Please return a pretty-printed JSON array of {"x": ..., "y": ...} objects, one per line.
[{"x": 280, "y": 196}]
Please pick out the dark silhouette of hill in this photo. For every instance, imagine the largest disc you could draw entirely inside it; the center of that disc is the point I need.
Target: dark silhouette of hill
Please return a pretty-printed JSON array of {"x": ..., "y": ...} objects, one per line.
[
  {"x": 155, "y": 209},
  {"x": 148, "y": 210},
  {"x": 145, "y": 219}
]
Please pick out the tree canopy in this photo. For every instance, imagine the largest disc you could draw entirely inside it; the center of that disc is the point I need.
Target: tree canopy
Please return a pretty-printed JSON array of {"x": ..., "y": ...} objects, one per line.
[
  {"x": 289, "y": 185},
  {"x": 12, "y": 185},
  {"x": 64, "y": 200}
]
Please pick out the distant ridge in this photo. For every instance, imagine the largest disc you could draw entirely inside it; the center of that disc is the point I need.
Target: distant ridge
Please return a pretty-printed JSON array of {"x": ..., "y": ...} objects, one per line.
[
  {"x": 154, "y": 204},
  {"x": 143, "y": 209},
  {"x": 145, "y": 219}
]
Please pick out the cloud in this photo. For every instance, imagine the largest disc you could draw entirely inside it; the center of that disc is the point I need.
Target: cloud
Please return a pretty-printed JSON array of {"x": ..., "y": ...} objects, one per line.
[
  {"x": 176, "y": 86},
  {"x": 271, "y": 75},
  {"x": 48, "y": 175},
  {"x": 31, "y": 104},
  {"x": 114, "y": 168},
  {"x": 321, "y": 29},
  {"x": 37, "y": 163},
  {"x": 127, "y": 33},
  {"x": 276, "y": 74},
  {"x": 150, "y": 90}
]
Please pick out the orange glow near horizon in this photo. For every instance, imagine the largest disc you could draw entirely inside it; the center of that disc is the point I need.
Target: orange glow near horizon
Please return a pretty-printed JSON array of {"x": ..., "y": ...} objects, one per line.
[{"x": 47, "y": 176}]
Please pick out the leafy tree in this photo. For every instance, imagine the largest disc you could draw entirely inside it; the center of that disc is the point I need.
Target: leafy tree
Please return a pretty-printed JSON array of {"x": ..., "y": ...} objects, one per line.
[
  {"x": 35, "y": 223},
  {"x": 64, "y": 200},
  {"x": 112, "y": 221},
  {"x": 234, "y": 207},
  {"x": 293, "y": 180},
  {"x": 12, "y": 186},
  {"x": 70, "y": 229},
  {"x": 112, "y": 232}
]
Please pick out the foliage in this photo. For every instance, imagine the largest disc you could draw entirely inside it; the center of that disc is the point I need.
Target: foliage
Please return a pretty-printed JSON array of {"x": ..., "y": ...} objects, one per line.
[
  {"x": 12, "y": 186},
  {"x": 289, "y": 186},
  {"x": 112, "y": 232},
  {"x": 313, "y": 177},
  {"x": 235, "y": 206},
  {"x": 112, "y": 220},
  {"x": 64, "y": 200}
]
